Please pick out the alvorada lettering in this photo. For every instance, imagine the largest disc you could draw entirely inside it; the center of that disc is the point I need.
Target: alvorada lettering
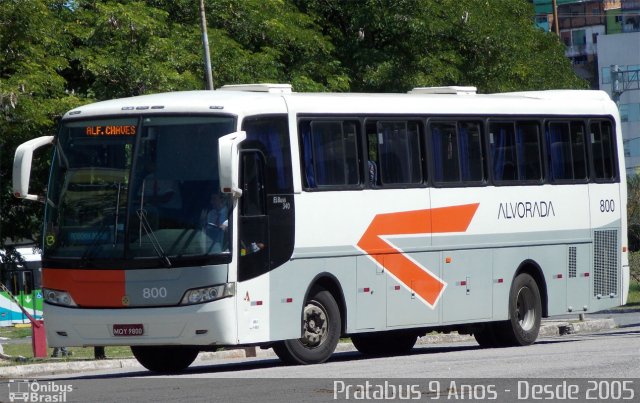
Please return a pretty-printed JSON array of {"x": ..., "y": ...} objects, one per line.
[{"x": 526, "y": 209}]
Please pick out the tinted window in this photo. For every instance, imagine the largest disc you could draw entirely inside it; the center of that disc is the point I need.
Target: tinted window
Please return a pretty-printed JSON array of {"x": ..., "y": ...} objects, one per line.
[
  {"x": 567, "y": 151},
  {"x": 457, "y": 151},
  {"x": 528, "y": 151},
  {"x": 515, "y": 150},
  {"x": 394, "y": 153},
  {"x": 330, "y": 153},
  {"x": 270, "y": 134},
  {"x": 603, "y": 146}
]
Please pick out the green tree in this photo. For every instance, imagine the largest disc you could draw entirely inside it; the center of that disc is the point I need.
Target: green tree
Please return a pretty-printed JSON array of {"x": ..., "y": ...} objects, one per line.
[
  {"x": 395, "y": 45},
  {"x": 125, "y": 48},
  {"x": 32, "y": 95},
  {"x": 633, "y": 225},
  {"x": 633, "y": 212},
  {"x": 58, "y": 54},
  {"x": 263, "y": 41}
]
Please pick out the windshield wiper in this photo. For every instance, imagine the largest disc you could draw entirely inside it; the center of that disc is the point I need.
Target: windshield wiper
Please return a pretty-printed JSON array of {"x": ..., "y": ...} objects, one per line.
[
  {"x": 104, "y": 226},
  {"x": 144, "y": 224}
]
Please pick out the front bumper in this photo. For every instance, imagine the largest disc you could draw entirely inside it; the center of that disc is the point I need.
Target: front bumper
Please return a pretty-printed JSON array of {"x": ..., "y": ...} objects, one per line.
[{"x": 212, "y": 323}]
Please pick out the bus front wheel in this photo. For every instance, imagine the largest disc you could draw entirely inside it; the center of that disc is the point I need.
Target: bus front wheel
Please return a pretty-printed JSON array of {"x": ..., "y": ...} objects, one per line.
[
  {"x": 525, "y": 313},
  {"x": 321, "y": 328},
  {"x": 164, "y": 359}
]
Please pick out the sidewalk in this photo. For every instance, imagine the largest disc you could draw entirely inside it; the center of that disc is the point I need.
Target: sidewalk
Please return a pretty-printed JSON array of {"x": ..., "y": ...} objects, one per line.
[{"x": 549, "y": 328}]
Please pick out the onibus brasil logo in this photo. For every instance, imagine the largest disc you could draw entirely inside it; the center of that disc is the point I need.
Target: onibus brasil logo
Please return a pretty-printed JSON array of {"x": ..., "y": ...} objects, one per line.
[{"x": 33, "y": 391}]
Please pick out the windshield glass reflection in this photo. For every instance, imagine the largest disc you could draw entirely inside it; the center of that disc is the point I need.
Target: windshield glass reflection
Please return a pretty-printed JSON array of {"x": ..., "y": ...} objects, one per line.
[{"x": 125, "y": 188}]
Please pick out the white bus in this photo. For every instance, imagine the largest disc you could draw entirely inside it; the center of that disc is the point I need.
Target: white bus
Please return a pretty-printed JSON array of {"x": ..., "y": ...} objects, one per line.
[{"x": 256, "y": 216}]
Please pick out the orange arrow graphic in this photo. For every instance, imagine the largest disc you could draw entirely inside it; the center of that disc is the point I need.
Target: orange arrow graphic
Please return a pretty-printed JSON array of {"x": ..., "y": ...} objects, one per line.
[{"x": 436, "y": 220}]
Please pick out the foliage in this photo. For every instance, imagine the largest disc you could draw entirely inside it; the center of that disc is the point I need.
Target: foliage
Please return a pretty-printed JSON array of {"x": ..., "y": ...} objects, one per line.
[
  {"x": 395, "y": 45},
  {"x": 634, "y": 266},
  {"x": 32, "y": 94},
  {"x": 633, "y": 212},
  {"x": 634, "y": 294},
  {"x": 58, "y": 54}
]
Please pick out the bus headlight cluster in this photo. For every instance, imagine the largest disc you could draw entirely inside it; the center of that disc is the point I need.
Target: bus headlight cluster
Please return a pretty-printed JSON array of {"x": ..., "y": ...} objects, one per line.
[
  {"x": 56, "y": 297},
  {"x": 207, "y": 294}
]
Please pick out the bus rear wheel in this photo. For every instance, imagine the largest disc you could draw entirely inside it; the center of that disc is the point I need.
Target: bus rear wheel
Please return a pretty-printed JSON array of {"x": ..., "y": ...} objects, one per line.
[
  {"x": 386, "y": 343},
  {"x": 164, "y": 359},
  {"x": 321, "y": 328},
  {"x": 525, "y": 313}
]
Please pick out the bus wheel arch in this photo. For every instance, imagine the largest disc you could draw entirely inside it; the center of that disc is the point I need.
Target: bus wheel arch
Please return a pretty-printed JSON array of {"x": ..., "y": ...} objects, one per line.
[
  {"x": 525, "y": 305},
  {"x": 321, "y": 324},
  {"x": 533, "y": 269},
  {"x": 330, "y": 283}
]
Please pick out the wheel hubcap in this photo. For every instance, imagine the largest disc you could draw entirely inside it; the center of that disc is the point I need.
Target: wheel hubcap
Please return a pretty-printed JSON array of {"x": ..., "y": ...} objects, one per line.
[
  {"x": 315, "y": 325},
  {"x": 525, "y": 308}
]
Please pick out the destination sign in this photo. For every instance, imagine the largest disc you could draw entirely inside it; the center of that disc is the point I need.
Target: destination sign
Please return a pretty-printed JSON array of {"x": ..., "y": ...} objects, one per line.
[{"x": 95, "y": 131}]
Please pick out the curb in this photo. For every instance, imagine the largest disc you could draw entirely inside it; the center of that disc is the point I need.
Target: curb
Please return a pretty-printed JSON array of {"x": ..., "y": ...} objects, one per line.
[{"x": 548, "y": 329}]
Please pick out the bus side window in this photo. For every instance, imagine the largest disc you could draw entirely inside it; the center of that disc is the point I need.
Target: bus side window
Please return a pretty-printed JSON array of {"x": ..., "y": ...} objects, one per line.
[
  {"x": 398, "y": 147},
  {"x": 329, "y": 153},
  {"x": 457, "y": 151},
  {"x": 528, "y": 148},
  {"x": 372, "y": 153},
  {"x": 602, "y": 150},
  {"x": 567, "y": 151},
  {"x": 579, "y": 150},
  {"x": 444, "y": 141},
  {"x": 503, "y": 151}
]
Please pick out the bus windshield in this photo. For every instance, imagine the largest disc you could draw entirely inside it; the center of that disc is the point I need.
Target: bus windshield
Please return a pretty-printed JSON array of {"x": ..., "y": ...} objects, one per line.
[{"x": 144, "y": 189}]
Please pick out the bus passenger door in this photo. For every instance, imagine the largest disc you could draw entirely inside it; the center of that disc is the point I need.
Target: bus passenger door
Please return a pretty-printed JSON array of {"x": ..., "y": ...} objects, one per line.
[
  {"x": 253, "y": 222},
  {"x": 252, "y": 248}
]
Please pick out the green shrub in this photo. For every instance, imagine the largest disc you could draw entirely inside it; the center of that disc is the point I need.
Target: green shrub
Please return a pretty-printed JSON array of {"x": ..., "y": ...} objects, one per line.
[{"x": 634, "y": 266}]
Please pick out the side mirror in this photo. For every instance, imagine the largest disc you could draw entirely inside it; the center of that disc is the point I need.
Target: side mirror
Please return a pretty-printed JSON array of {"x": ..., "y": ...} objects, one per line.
[
  {"x": 22, "y": 166},
  {"x": 228, "y": 162}
]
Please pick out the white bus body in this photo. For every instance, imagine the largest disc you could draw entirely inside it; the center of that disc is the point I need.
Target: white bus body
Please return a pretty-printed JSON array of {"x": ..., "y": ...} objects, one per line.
[{"x": 379, "y": 216}]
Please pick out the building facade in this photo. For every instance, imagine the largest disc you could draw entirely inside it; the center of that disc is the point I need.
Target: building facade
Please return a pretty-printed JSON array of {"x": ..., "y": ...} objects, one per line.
[
  {"x": 623, "y": 50},
  {"x": 599, "y": 34}
]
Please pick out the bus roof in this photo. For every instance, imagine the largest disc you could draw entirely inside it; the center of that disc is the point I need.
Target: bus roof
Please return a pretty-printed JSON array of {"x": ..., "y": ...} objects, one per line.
[{"x": 256, "y": 99}]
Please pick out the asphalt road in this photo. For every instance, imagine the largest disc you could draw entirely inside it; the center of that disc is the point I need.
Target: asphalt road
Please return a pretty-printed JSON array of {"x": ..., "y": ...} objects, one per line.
[{"x": 597, "y": 361}]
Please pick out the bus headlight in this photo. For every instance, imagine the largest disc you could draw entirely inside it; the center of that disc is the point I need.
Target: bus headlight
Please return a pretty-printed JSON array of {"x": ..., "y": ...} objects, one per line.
[
  {"x": 56, "y": 297},
  {"x": 208, "y": 294}
]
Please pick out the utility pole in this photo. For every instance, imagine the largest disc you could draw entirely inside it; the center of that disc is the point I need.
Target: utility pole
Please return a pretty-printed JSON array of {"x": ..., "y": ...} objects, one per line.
[
  {"x": 556, "y": 23},
  {"x": 205, "y": 43},
  {"x": 616, "y": 88}
]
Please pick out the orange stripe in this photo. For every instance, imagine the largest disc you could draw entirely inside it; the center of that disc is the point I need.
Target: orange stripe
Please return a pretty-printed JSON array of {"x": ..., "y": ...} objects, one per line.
[
  {"x": 88, "y": 288},
  {"x": 437, "y": 220}
]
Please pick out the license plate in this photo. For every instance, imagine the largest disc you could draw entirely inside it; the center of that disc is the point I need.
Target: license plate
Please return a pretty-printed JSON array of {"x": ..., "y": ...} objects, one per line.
[{"x": 128, "y": 330}]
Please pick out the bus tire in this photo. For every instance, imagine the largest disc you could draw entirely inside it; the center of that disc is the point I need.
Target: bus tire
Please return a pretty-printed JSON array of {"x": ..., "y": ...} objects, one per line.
[
  {"x": 164, "y": 359},
  {"x": 321, "y": 329},
  {"x": 525, "y": 313},
  {"x": 386, "y": 343}
]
